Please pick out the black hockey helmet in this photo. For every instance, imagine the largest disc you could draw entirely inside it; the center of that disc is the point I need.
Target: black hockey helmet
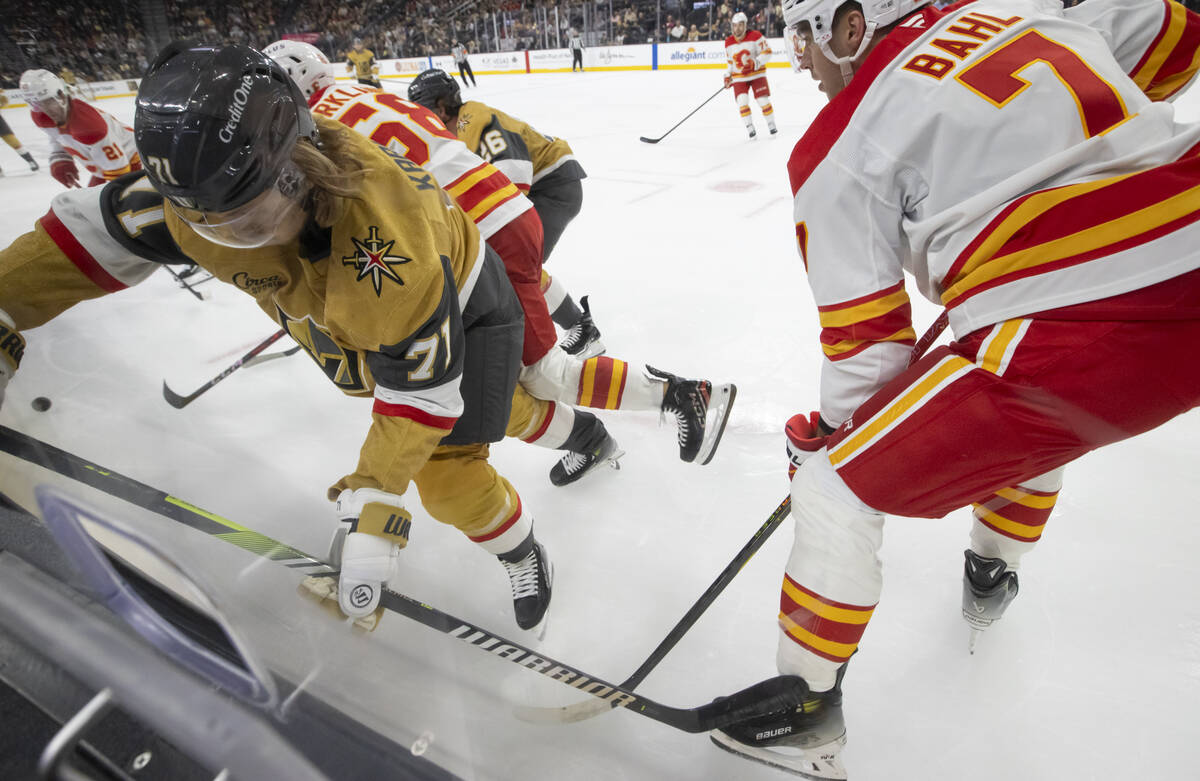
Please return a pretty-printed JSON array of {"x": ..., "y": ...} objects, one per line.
[
  {"x": 433, "y": 85},
  {"x": 215, "y": 126}
]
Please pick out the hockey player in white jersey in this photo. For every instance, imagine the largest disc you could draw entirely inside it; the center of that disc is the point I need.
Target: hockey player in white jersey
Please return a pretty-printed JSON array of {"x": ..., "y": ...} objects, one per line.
[
  {"x": 79, "y": 132},
  {"x": 1019, "y": 163},
  {"x": 748, "y": 54}
]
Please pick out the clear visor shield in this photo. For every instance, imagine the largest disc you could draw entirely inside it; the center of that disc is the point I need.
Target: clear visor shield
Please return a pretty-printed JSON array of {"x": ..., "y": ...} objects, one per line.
[
  {"x": 274, "y": 216},
  {"x": 54, "y": 106}
]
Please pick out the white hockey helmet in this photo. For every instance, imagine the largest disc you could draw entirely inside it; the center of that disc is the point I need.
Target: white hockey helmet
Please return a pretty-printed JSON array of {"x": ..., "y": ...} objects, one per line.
[
  {"x": 305, "y": 64},
  {"x": 817, "y": 15},
  {"x": 45, "y": 92},
  {"x": 739, "y": 17}
]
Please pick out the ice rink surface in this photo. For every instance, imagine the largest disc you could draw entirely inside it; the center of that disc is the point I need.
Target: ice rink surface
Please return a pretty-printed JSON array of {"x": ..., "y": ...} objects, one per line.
[{"x": 687, "y": 252}]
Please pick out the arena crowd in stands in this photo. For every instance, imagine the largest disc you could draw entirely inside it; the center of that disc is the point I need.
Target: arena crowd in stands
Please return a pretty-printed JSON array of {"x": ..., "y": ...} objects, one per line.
[{"x": 102, "y": 40}]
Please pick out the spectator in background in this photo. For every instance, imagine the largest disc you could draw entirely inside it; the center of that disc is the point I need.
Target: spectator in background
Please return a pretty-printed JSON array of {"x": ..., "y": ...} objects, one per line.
[
  {"x": 678, "y": 32},
  {"x": 693, "y": 34}
]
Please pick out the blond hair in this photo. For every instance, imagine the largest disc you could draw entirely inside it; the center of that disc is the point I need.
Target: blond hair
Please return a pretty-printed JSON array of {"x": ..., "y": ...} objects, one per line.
[{"x": 332, "y": 169}]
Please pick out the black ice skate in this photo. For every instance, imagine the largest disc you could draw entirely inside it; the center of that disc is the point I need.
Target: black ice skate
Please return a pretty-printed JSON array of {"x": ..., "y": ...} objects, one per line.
[
  {"x": 753, "y": 132},
  {"x": 701, "y": 410},
  {"x": 988, "y": 587},
  {"x": 806, "y": 740},
  {"x": 583, "y": 340},
  {"x": 598, "y": 449},
  {"x": 530, "y": 574}
]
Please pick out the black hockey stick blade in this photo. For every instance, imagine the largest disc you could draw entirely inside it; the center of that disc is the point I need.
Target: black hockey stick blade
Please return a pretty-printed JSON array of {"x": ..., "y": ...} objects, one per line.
[
  {"x": 650, "y": 140},
  {"x": 765, "y": 697},
  {"x": 179, "y": 402}
]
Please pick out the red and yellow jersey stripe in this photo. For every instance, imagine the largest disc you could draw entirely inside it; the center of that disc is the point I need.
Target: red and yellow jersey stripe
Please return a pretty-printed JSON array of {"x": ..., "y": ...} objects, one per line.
[
  {"x": 849, "y": 327},
  {"x": 1172, "y": 59},
  {"x": 831, "y": 630},
  {"x": 481, "y": 190},
  {"x": 1061, "y": 227}
]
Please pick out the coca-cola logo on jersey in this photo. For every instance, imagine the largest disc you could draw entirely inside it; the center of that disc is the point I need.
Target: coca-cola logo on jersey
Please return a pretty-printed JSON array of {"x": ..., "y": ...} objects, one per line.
[
  {"x": 241, "y": 96},
  {"x": 254, "y": 285}
]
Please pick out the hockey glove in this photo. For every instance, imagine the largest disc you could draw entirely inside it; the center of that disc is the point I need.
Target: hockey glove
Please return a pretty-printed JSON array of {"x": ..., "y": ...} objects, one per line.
[
  {"x": 12, "y": 347},
  {"x": 805, "y": 436},
  {"x": 65, "y": 172},
  {"x": 372, "y": 528},
  {"x": 728, "y": 81}
]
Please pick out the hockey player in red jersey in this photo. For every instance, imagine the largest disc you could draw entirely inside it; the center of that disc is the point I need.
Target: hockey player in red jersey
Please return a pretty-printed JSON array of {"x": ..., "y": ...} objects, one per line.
[
  {"x": 748, "y": 53},
  {"x": 1068, "y": 263},
  {"x": 101, "y": 144}
]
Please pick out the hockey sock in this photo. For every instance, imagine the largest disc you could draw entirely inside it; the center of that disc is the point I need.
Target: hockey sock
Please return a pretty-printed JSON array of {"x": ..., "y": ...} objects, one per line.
[
  {"x": 563, "y": 309},
  {"x": 556, "y": 427},
  {"x": 1009, "y": 523},
  {"x": 607, "y": 383}
]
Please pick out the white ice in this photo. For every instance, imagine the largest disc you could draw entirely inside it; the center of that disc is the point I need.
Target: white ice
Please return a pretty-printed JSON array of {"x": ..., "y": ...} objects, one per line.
[{"x": 687, "y": 251}]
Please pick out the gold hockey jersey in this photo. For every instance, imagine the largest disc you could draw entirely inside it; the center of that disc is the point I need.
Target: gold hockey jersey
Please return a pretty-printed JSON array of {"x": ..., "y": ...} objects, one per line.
[
  {"x": 375, "y": 301},
  {"x": 362, "y": 62},
  {"x": 527, "y": 157}
]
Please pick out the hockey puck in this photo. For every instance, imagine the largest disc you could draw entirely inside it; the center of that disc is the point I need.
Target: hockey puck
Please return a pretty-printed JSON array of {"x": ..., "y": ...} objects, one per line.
[{"x": 41, "y": 404}]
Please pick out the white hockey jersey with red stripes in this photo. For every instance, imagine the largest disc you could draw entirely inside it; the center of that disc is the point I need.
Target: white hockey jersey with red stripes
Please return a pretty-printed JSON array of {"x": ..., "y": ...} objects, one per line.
[
  {"x": 488, "y": 197},
  {"x": 748, "y": 57},
  {"x": 1001, "y": 154},
  {"x": 95, "y": 138}
]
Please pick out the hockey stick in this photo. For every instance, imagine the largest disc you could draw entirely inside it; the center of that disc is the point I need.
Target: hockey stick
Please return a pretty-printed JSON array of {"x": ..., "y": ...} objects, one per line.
[
  {"x": 179, "y": 402},
  {"x": 773, "y": 694},
  {"x": 680, "y": 122},
  {"x": 183, "y": 283},
  {"x": 588, "y": 708},
  {"x": 256, "y": 360}
]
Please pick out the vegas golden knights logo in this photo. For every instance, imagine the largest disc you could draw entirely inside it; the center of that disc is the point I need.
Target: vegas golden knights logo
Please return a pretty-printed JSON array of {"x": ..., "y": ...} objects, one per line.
[
  {"x": 340, "y": 365},
  {"x": 371, "y": 259}
]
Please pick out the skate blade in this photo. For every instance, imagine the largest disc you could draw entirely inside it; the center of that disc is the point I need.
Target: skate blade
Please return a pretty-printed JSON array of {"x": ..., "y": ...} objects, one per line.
[
  {"x": 822, "y": 764},
  {"x": 973, "y": 639},
  {"x": 719, "y": 405}
]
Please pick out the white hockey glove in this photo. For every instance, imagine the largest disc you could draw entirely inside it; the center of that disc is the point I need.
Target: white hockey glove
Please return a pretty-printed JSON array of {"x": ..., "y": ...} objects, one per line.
[
  {"x": 12, "y": 347},
  {"x": 553, "y": 377},
  {"x": 372, "y": 528},
  {"x": 806, "y": 434}
]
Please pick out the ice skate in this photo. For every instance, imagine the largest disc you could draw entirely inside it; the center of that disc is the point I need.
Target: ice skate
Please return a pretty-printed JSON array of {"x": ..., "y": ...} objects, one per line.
[
  {"x": 583, "y": 340},
  {"x": 530, "y": 577},
  {"x": 806, "y": 740},
  {"x": 577, "y": 464},
  {"x": 988, "y": 587},
  {"x": 753, "y": 132},
  {"x": 701, "y": 411}
]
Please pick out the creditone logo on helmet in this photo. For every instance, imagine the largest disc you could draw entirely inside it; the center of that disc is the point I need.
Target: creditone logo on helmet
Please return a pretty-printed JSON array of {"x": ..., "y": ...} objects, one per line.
[{"x": 241, "y": 96}]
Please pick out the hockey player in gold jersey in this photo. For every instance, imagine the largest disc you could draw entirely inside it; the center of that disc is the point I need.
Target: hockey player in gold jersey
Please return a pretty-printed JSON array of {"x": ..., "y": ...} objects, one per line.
[
  {"x": 361, "y": 62},
  {"x": 509, "y": 223},
  {"x": 405, "y": 304},
  {"x": 542, "y": 166}
]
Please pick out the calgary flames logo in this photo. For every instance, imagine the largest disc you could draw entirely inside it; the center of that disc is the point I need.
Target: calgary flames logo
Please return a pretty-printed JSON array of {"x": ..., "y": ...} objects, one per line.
[{"x": 372, "y": 260}]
